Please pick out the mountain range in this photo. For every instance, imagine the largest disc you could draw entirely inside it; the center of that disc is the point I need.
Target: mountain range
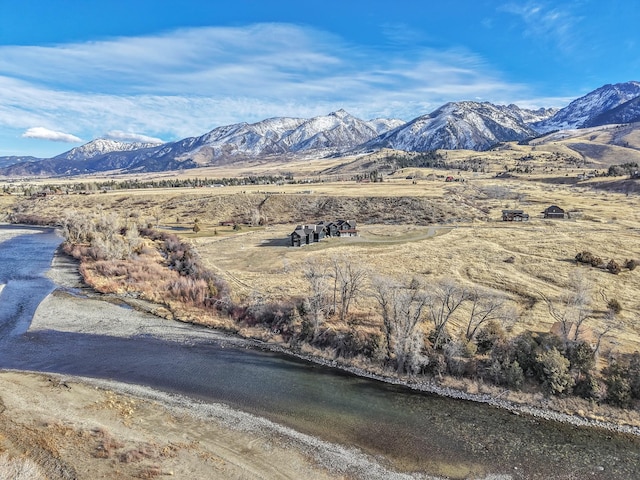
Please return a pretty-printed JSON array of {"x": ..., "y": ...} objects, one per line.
[{"x": 456, "y": 125}]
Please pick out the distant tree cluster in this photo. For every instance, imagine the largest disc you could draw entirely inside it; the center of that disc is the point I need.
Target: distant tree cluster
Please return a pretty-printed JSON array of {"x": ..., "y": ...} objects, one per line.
[
  {"x": 623, "y": 169},
  {"x": 167, "y": 183},
  {"x": 436, "y": 159},
  {"x": 431, "y": 159},
  {"x": 612, "y": 265}
]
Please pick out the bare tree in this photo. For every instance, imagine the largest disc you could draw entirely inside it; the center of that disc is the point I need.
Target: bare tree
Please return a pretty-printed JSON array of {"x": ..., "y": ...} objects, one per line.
[
  {"x": 384, "y": 291},
  {"x": 77, "y": 227},
  {"x": 484, "y": 307},
  {"x": 444, "y": 299},
  {"x": 132, "y": 239},
  {"x": 348, "y": 279},
  {"x": 316, "y": 304},
  {"x": 402, "y": 312},
  {"x": 109, "y": 226},
  {"x": 157, "y": 213},
  {"x": 573, "y": 307},
  {"x": 610, "y": 324}
]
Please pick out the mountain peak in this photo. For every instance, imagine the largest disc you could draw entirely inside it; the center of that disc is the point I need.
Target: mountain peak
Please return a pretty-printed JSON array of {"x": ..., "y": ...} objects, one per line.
[
  {"x": 582, "y": 111},
  {"x": 342, "y": 113},
  {"x": 102, "y": 146},
  {"x": 457, "y": 125}
]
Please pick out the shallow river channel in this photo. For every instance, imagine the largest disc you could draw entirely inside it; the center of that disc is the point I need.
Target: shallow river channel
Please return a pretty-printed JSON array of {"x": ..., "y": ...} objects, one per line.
[{"x": 406, "y": 431}]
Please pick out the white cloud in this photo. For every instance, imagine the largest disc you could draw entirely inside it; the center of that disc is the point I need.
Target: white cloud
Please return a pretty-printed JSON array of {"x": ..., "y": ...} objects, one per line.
[
  {"x": 46, "y": 134},
  {"x": 186, "y": 82},
  {"x": 547, "y": 22},
  {"x": 131, "y": 137}
]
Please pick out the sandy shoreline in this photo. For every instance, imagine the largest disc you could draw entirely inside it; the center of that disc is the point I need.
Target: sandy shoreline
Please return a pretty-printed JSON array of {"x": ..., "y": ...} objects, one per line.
[
  {"x": 70, "y": 427},
  {"x": 84, "y": 428}
]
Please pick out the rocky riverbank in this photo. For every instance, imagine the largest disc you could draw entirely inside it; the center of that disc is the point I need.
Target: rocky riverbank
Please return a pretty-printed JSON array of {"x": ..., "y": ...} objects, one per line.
[
  {"x": 574, "y": 411},
  {"x": 68, "y": 309},
  {"x": 63, "y": 427}
]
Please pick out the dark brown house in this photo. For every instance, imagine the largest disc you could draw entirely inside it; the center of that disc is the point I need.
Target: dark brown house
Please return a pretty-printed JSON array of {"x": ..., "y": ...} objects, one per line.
[
  {"x": 346, "y": 228},
  {"x": 553, "y": 212},
  {"x": 307, "y": 234},
  {"x": 514, "y": 216},
  {"x": 302, "y": 235}
]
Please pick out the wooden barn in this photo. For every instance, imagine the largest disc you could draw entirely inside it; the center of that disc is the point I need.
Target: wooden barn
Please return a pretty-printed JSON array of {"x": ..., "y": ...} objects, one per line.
[
  {"x": 553, "y": 212},
  {"x": 514, "y": 216}
]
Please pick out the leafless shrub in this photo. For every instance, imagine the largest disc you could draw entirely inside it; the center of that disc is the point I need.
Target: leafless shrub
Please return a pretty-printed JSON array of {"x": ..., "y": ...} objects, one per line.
[
  {"x": 613, "y": 267},
  {"x": 138, "y": 454},
  {"x": 189, "y": 290},
  {"x": 107, "y": 445},
  {"x": 588, "y": 258},
  {"x": 358, "y": 342},
  {"x": 149, "y": 472},
  {"x": 19, "y": 468},
  {"x": 614, "y": 306}
]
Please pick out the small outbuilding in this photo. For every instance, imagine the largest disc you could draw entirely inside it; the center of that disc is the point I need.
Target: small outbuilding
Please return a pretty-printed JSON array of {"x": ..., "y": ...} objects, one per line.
[
  {"x": 514, "y": 216},
  {"x": 553, "y": 212}
]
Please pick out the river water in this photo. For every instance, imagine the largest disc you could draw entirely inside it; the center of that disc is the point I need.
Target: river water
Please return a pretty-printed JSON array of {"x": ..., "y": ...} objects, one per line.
[{"x": 405, "y": 430}]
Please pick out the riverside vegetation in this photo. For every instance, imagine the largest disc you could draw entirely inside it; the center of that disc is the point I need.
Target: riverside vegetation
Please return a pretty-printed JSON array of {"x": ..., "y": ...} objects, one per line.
[{"x": 560, "y": 334}]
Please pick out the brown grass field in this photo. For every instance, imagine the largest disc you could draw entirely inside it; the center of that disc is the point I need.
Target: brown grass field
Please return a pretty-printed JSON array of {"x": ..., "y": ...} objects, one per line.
[{"x": 421, "y": 227}]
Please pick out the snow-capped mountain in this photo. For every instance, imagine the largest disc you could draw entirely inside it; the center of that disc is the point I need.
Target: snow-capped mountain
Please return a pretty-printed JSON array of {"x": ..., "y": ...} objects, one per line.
[
  {"x": 383, "y": 125},
  {"x": 102, "y": 146},
  {"x": 328, "y": 134},
  {"x": 529, "y": 117},
  {"x": 458, "y": 125},
  {"x": 11, "y": 160},
  {"x": 338, "y": 131},
  {"x": 581, "y": 112},
  {"x": 628, "y": 112}
]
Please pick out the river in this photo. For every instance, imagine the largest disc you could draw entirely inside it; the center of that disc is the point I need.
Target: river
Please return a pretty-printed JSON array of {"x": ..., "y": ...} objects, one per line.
[{"x": 405, "y": 430}]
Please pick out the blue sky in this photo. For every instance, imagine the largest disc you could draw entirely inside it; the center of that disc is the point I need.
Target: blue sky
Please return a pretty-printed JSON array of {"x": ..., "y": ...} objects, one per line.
[{"x": 75, "y": 70}]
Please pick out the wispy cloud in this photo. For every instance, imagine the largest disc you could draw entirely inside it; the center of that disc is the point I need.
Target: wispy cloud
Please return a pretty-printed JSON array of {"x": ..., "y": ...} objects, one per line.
[
  {"x": 548, "y": 22},
  {"x": 402, "y": 34},
  {"x": 42, "y": 133},
  {"x": 131, "y": 137},
  {"x": 186, "y": 82}
]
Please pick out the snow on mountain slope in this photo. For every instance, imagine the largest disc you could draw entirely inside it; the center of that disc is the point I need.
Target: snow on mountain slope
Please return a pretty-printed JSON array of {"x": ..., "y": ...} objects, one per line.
[
  {"x": 628, "y": 112},
  {"x": 459, "y": 125},
  {"x": 528, "y": 116},
  {"x": 334, "y": 132},
  {"x": 383, "y": 125},
  {"x": 102, "y": 146},
  {"x": 583, "y": 110}
]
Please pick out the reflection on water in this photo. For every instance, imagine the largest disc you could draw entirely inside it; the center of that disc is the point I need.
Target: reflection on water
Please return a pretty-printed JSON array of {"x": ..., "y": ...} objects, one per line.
[
  {"x": 23, "y": 259},
  {"x": 412, "y": 431}
]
